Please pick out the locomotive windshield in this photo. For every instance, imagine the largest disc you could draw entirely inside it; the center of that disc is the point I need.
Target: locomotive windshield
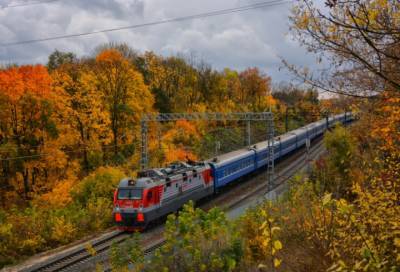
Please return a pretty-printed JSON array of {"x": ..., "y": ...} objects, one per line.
[{"x": 130, "y": 194}]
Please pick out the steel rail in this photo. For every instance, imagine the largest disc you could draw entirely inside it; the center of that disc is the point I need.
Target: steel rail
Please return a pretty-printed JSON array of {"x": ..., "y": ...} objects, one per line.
[{"x": 69, "y": 258}]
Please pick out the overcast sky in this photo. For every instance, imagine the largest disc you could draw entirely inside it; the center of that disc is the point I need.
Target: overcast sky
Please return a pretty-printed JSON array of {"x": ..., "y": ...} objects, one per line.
[{"x": 247, "y": 39}]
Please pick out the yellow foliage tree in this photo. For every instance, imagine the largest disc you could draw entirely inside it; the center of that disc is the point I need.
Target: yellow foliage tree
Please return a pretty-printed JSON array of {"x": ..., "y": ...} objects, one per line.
[
  {"x": 124, "y": 95},
  {"x": 82, "y": 116}
]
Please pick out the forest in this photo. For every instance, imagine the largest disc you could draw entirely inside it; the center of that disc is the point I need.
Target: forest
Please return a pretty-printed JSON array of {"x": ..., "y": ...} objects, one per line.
[{"x": 70, "y": 130}]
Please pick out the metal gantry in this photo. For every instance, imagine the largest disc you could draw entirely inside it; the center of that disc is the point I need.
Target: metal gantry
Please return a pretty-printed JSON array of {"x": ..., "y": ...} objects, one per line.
[
  {"x": 207, "y": 116},
  {"x": 144, "y": 151},
  {"x": 248, "y": 132},
  {"x": 271, "y": 154}
]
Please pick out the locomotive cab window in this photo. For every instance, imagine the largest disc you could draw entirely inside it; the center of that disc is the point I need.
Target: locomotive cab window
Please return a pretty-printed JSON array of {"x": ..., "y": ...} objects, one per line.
[
  {"x": 129, "y": 194},
  {"x": 149, "y": 195}
]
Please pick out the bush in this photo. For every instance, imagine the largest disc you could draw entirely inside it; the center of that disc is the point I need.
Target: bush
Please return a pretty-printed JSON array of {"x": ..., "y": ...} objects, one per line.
[
  {"x": 31, "y": 230},
  {"x": 198, "y": 241},
  {"x": 341, "y": 148},
  {"x": 99, "y": 213},
  {"x": 63, "y": 231},
  {"x": 101, "y": 183}
]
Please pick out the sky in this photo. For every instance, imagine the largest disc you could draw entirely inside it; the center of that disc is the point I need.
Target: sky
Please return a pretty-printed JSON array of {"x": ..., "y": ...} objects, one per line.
[{"x": 254, "y": 38}]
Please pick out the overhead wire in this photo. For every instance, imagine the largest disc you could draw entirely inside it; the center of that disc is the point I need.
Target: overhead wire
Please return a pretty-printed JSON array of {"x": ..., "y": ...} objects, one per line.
[
  {"x": 65, "y": 152},
  {"x": 255, "y": 135},
  {"x": 28, "y": 4},
  {"x": 171, "y": 20},
  {"x": 136, "y": 145},
  {"x": 190, "y": 17}
]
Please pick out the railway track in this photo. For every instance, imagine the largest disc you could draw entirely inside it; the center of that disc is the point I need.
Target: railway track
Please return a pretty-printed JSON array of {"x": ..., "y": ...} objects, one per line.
[
  {"x": 70, "y": 258},
  {"x": 81, "y": 260},
  {"x": 283, "y": 174}
]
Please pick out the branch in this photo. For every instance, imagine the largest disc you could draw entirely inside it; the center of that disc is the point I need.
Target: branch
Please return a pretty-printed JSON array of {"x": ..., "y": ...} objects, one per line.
[{"x": 319, "y": 85}]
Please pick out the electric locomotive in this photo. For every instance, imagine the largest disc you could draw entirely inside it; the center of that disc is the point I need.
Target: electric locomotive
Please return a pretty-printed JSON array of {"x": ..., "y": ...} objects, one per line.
[{"x": 158, "y": 192}]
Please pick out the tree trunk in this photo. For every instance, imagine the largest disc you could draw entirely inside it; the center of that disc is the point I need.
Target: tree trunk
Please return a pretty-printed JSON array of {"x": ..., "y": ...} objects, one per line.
[
  {"x": 115, "y": 140},
  {"x": 33, "y": 176},
  {"x": 85, "y": 155},
  {"x": 25, "y": 175}
]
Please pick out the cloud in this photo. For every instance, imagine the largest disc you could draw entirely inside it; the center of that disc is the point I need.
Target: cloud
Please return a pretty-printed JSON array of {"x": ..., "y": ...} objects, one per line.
[{"x": 252, "y": 38}]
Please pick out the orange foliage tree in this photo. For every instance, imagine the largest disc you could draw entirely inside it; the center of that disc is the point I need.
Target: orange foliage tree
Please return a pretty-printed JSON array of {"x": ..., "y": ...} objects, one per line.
[
  {"x": 26, "y": 127},
  {"x": 176, "y": 141}
]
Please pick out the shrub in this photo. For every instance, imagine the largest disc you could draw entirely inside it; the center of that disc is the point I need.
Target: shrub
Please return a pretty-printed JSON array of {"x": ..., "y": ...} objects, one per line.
[
  {"x": 198, "y": 241},
  {"x": 341, "y": 148},
  {"x": 63, "y": 231},
  {"x": 101, "y": 183}
]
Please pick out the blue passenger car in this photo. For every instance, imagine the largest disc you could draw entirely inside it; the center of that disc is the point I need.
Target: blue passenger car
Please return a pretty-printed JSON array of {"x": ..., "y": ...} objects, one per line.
[
  {"x": 320, "y": 126},
  {"x": 231, "y": 166},
  {"x": 301, "y": 136},
  {"x": 234, "y": 165},
  {"x": 288, "y": 143},
  {"x": 262, "y": 152},
  {"x": 312, "y": 130}
]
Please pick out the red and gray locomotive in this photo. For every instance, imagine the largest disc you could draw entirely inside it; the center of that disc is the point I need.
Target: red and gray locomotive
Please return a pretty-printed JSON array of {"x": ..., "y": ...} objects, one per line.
[{"x": 158, "y": 192}]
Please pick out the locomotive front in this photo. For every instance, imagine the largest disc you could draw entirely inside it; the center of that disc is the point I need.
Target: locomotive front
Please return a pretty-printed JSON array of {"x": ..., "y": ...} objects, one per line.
[{"x": 131, "y": 200}]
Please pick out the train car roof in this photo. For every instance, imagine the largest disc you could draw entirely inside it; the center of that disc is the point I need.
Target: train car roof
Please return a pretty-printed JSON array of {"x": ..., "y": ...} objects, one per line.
[
  {"x": 231, "y": 156},
  {"x": 320, "y": 122},
  {"x": 137, "y": 183},
  {"x": 264, "y": 144},
  {"x": 156, "y": 176}
]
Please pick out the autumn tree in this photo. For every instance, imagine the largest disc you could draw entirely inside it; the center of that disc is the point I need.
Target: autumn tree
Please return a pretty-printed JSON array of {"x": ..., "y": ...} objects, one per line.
[
  {"x": 182, "y": 135},
  {"x": 233, "y": 82},
  {"x": 124, "y": 95},
  {"x": 26, "y": 125},
  {"x": 58, "y": 58},
  {"x": 172, "y": 81},
  {"x": 212, "y": 86},
  {"x": 254, "y": 87},
  {"x": 360, "y": 41},
  {"x": 123, "y": 48},
  {"x": 80, "y": 111}
]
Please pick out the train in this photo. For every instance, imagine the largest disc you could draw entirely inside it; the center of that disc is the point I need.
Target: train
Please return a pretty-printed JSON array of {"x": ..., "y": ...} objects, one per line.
[{"x": 159, "y": 191}]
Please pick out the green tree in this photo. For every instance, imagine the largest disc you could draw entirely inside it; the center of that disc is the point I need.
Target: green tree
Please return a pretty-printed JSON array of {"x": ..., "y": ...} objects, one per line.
[
  {"x": 58, "y": 58},
  {"x": 341, "y": 148}
]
